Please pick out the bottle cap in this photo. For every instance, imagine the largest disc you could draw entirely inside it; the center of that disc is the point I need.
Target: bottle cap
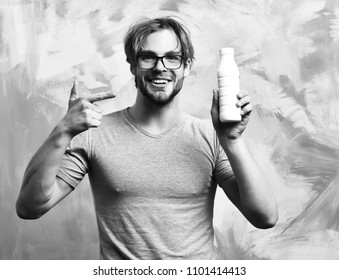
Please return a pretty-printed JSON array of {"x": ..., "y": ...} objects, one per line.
[{"x": 226, "y": 51}]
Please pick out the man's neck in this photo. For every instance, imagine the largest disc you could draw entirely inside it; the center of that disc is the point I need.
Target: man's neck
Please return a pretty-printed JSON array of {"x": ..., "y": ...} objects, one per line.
[{"x": 155, "y": 118}]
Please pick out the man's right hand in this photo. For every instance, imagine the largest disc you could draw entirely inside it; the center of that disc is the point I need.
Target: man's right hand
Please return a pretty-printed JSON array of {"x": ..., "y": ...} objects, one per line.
[
  {"x": 41, "y": 188},
  {"x": 82, "y": 114}
]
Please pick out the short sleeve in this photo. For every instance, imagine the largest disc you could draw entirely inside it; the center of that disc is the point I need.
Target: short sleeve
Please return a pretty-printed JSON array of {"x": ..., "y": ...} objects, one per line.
[
  {"x": 74, "y": 164},
  {"x": 223, "y": 169}
]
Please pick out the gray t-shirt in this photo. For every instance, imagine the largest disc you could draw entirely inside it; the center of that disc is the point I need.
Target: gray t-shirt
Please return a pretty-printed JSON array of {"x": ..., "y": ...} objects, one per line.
[{"x": 153, "y": 194}]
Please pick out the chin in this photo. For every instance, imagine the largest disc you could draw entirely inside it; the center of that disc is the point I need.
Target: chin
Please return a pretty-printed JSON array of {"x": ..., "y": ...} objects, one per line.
[
  {"x": 159, "y": 98},
  {"x": 162, "y": 101}
]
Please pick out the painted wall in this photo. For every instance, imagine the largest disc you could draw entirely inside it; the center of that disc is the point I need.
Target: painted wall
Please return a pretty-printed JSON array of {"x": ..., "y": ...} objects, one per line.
[{"x": 287, "y": 51}]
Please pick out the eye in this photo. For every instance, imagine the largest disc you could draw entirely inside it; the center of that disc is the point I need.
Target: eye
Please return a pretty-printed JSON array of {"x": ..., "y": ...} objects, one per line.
[
  {"x": 173, "y": 57},
  {"x": 146, "y": 57}
]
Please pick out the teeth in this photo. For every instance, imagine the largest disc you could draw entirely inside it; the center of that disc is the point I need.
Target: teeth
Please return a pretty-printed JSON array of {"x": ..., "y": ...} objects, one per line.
[{"x": 159, "y": 81}]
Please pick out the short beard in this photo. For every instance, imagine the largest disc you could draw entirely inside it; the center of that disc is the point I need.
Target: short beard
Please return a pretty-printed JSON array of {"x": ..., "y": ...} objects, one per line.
[{"x": 159, "y": 101}]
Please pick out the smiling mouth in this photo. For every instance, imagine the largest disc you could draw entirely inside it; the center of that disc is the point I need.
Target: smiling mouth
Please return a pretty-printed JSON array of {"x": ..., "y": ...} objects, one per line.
[{"x": 159, "y": 82}]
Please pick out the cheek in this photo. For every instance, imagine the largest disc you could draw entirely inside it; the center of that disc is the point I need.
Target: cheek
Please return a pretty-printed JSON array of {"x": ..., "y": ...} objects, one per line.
[
  {"x": 138, "y": 77},
  {"x": 179, "y": 76}
]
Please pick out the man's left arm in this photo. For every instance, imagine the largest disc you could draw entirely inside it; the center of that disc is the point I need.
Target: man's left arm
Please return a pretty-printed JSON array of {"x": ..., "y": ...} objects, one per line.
[{"x": 248, "y": 189}]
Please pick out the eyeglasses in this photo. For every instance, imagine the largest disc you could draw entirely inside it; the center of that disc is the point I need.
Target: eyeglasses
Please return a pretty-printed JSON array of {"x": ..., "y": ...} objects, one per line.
[{"x": 148, "y": 62}]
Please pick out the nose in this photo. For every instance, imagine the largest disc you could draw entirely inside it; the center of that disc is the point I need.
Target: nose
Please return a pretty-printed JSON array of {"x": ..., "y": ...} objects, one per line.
[{"x": 159, "y": 65}]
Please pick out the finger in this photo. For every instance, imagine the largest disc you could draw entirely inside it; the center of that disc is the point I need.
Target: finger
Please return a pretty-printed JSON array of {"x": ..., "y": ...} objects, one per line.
[
  {"x": 215, "y": 104},
  {"x": 243, "y": 101},
  {"x": 242, "y": 93},
  {"x": 100, "y": 96},
  {"x": 215, "y": 100},
  {"x": 93, "y": 115},
  {"x": 90, "y": 121},
  {"x": 246, "y": 110},
  {"x": 95, "y": 108},
  {"x": 94, "y": 123},
  {"x": 73, "y": 96},
  {"x": 82, "y": 104}
]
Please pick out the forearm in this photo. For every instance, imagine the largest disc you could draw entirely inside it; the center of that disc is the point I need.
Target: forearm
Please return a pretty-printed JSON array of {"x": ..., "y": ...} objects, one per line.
[
  {"x": 255, "y": 194},
  {"x": 40, "y": 175}
]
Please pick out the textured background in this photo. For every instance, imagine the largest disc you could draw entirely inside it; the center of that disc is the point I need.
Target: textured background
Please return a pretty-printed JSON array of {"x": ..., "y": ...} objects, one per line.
[{"x": 287, "y": 51}]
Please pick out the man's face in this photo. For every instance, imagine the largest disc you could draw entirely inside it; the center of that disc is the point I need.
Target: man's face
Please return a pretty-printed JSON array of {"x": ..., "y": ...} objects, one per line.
[{"x": 160, "y": 85}]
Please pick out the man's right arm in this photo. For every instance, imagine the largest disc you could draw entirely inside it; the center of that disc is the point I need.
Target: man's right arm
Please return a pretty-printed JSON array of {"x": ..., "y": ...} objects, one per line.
[{"x": 41, "y": 188}]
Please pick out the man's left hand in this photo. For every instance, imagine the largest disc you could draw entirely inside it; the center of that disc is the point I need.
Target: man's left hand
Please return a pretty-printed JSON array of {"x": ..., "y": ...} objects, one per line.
[{"x": 232, "y": 130}]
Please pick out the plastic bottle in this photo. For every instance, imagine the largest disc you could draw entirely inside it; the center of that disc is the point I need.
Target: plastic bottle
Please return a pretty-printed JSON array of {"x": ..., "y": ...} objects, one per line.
[{"x": 228, "y": 82}]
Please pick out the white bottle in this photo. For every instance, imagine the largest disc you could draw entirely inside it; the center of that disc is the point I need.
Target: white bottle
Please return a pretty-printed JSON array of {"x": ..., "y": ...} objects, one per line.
[{"x": 228, "y": 82}]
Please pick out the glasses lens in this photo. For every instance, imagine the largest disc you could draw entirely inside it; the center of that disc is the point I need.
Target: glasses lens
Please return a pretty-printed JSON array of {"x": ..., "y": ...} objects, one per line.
[
  {"x": 149, "y": 61},
  {"x": 146, "y": 61},
  {"x": 172, "y": 61}
]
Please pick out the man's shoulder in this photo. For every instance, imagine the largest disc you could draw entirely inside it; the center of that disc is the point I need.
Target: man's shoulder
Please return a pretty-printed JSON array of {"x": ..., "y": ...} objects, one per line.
[
  {"x": 116, "y": 119},
  {"x": 114, "y": 116}
]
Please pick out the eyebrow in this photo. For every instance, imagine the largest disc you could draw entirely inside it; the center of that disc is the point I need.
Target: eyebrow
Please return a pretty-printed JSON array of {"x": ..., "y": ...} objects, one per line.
[{"x": 146, "y": 52}]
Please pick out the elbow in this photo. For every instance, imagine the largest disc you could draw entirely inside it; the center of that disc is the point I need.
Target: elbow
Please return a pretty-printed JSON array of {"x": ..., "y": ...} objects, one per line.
[
  {"x": 29, "y": 207},
  {"x": 268, "y": 217},
  {"x": 267, "y": 221},
  {"x": 273, "y": 217},
  {"x": 24, "y": 213}
]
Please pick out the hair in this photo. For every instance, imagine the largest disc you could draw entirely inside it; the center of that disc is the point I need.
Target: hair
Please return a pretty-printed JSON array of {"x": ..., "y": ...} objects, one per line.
[{"x": 137, "y": 34}]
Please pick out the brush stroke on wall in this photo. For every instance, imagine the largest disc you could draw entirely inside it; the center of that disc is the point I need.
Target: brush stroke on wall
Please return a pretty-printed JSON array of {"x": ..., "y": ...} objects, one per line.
[{"x": 287, "y": 51}]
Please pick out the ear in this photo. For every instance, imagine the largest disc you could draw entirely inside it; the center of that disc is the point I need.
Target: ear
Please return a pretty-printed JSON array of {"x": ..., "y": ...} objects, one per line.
[
  {"x": 132, "y": 69},
  {"x": 187, "y": 67}
]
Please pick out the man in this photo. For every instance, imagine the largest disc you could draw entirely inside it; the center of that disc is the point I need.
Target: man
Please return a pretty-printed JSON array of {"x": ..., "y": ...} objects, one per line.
[{"x": 153, "y": 169}]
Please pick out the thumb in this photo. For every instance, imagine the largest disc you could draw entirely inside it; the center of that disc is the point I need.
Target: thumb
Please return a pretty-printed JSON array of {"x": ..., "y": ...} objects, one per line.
[
  {"x": 215, "y": 105},
  {"x": 74, "y": 95}
]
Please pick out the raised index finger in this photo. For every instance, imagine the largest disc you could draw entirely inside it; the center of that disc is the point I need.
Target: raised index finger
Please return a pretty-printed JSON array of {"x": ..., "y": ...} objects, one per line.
[{"x": 99, "y": 96}]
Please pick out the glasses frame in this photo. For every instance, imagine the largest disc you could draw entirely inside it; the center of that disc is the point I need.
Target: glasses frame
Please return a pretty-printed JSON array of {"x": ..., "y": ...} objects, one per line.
[{"x": 161, "y": 59}]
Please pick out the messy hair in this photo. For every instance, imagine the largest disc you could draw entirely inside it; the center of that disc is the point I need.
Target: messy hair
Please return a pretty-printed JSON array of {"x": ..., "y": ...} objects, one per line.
[{"x": 137, "y": 34}]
